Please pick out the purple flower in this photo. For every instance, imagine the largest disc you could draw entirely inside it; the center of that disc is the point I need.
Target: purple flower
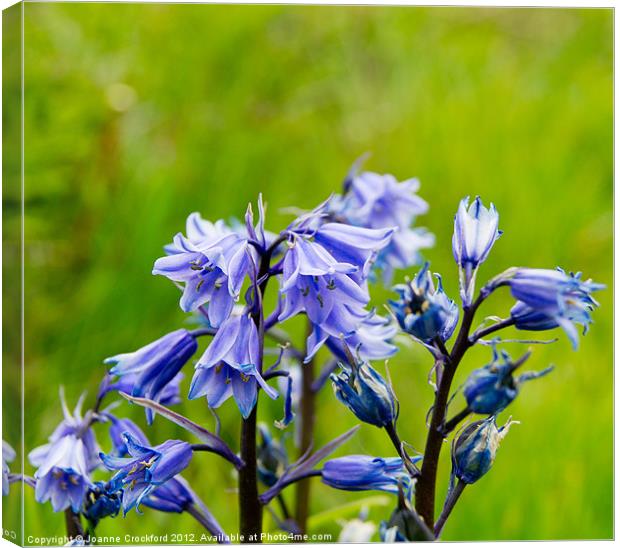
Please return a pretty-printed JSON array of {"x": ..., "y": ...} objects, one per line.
[
  {"x": 552, "y": 298},
  {"x": 118, "y": 428},
  {"x": 324, "y": 276},
  {"x": 170, "y": 395},
  {"x": 8, "y": 455},
  {"x": 372, "y": 200},
  {"x": 229, "y": 367},
  {"x": 173, "y": 496},
  {"x": 364, "y": 473},
  {"x": 475, "y": 232},
  {"x": 212, "y": 262},
  {"x": 65, "y": 463},
  {"x": 422, "y": 310},
  {"x": 155, "y": 365},
  {"x": 146, "y": 468},
  {"x": 371, "y": 340}
]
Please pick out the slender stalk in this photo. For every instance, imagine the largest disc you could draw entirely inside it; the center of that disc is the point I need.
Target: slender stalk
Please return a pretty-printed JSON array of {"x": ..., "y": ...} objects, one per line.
[
  {"x": 73, "y": 525},
  {"x": 492, "y": 329},
  {"x": 286, "y": 514},
  {"x": 396, "y": 442},
  {"x": 307, "y": 408},
  {"x": 451, "y": 500},
  {"x": 233, "y": 459},
  {"x": 425, "y": 487},
  {"x": 454, "y": 421},
  {"x": 250, "y": 507}
]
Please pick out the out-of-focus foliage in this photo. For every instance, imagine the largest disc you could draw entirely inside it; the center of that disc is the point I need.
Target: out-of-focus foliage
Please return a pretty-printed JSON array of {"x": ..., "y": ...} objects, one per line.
[{"x": 137, "y": 115}]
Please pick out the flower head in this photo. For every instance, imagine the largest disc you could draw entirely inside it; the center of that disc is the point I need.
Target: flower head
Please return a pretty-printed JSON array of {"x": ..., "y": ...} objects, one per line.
[
  {"x": 552, "y": 298},
  {"x": 64, "y": 464},
  {"x": 229, "y": 367},
  {"x": 324, "y": 275},
  {"x": 213, "y": 262},
  {"x": 474, "y": 449},
  {"x": 367, "y": 394},
  {"x": 375, "y": 201},
  {"x": 117, "y": 428},
  {"x": 371, "y": 340},
  {"x": 8, "y": 455},
  {"x": 422, "y": 310},
  {"x": 169, "y": 395},
  {"x": 146, "y": 467},
  {"x": 364, "y": 473},
  {"x": 492, "y": 388},
  {"x": 475, "y": 232},
  {"x": 156, "y": 365}
]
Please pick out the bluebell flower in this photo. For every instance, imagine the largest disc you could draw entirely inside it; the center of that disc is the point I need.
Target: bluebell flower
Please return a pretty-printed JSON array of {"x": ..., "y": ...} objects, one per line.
[
  {"x": 272, "y": 459},
  {"x": 102, "y": 500},
  {"x": 474, "y": 449},
  {"x": 324, "y": 276},
  {"x": 169, "y": 395},
  {"x": 65, "y": 463},
  {"x": 475, "y": 232},
  {"x": 117, "y": 428},
  {"x": 492, "y": 388},
  {"x": 155, "y": 365},
  {"x": 8, "y": 455},
  {"x": 371, "y": 340},
  {"x": 365, "y": 473},
  {"x": 551, "y": 298},
  {"x": 212, "y": 262},
  {"x": 367, "y": 394},
  {"x": 229, "y": 367},
  {"x": 423, "y": 311},
  {"x": 146, "y": 468},
  {"x": 377, "y": 201},
  {"x": 174, "y": 496}
]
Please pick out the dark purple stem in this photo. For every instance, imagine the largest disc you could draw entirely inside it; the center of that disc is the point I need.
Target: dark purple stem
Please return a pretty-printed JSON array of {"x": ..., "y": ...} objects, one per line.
[
  {"x": 307, "y": 408},
  {"x": 426, "y": 485},
  {"x": 250, "y": 507},
  {"x": 451, "y": 500}
]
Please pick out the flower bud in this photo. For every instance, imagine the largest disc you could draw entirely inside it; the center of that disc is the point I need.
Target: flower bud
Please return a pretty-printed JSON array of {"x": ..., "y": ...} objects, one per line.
[
  {"x": 102, "y": 501},
  {"x": 474, "y": 449},
  {"x": 423, "y": 311},
  {"x": 405, "y": 525},
  {"x": 366, "y": 394},
  {"x": 365, "y": 473},
  {"x": 475, "y": 232},
  {"x": 492, "y": 388}
]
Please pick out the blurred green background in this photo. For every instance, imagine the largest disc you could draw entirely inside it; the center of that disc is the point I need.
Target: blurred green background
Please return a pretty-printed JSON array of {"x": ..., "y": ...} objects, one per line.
[{"x": 137, "y": 115}]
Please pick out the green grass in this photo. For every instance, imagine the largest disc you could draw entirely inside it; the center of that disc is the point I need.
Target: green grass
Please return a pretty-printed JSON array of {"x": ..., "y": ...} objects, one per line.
[{"x": 137, "y": 115}]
